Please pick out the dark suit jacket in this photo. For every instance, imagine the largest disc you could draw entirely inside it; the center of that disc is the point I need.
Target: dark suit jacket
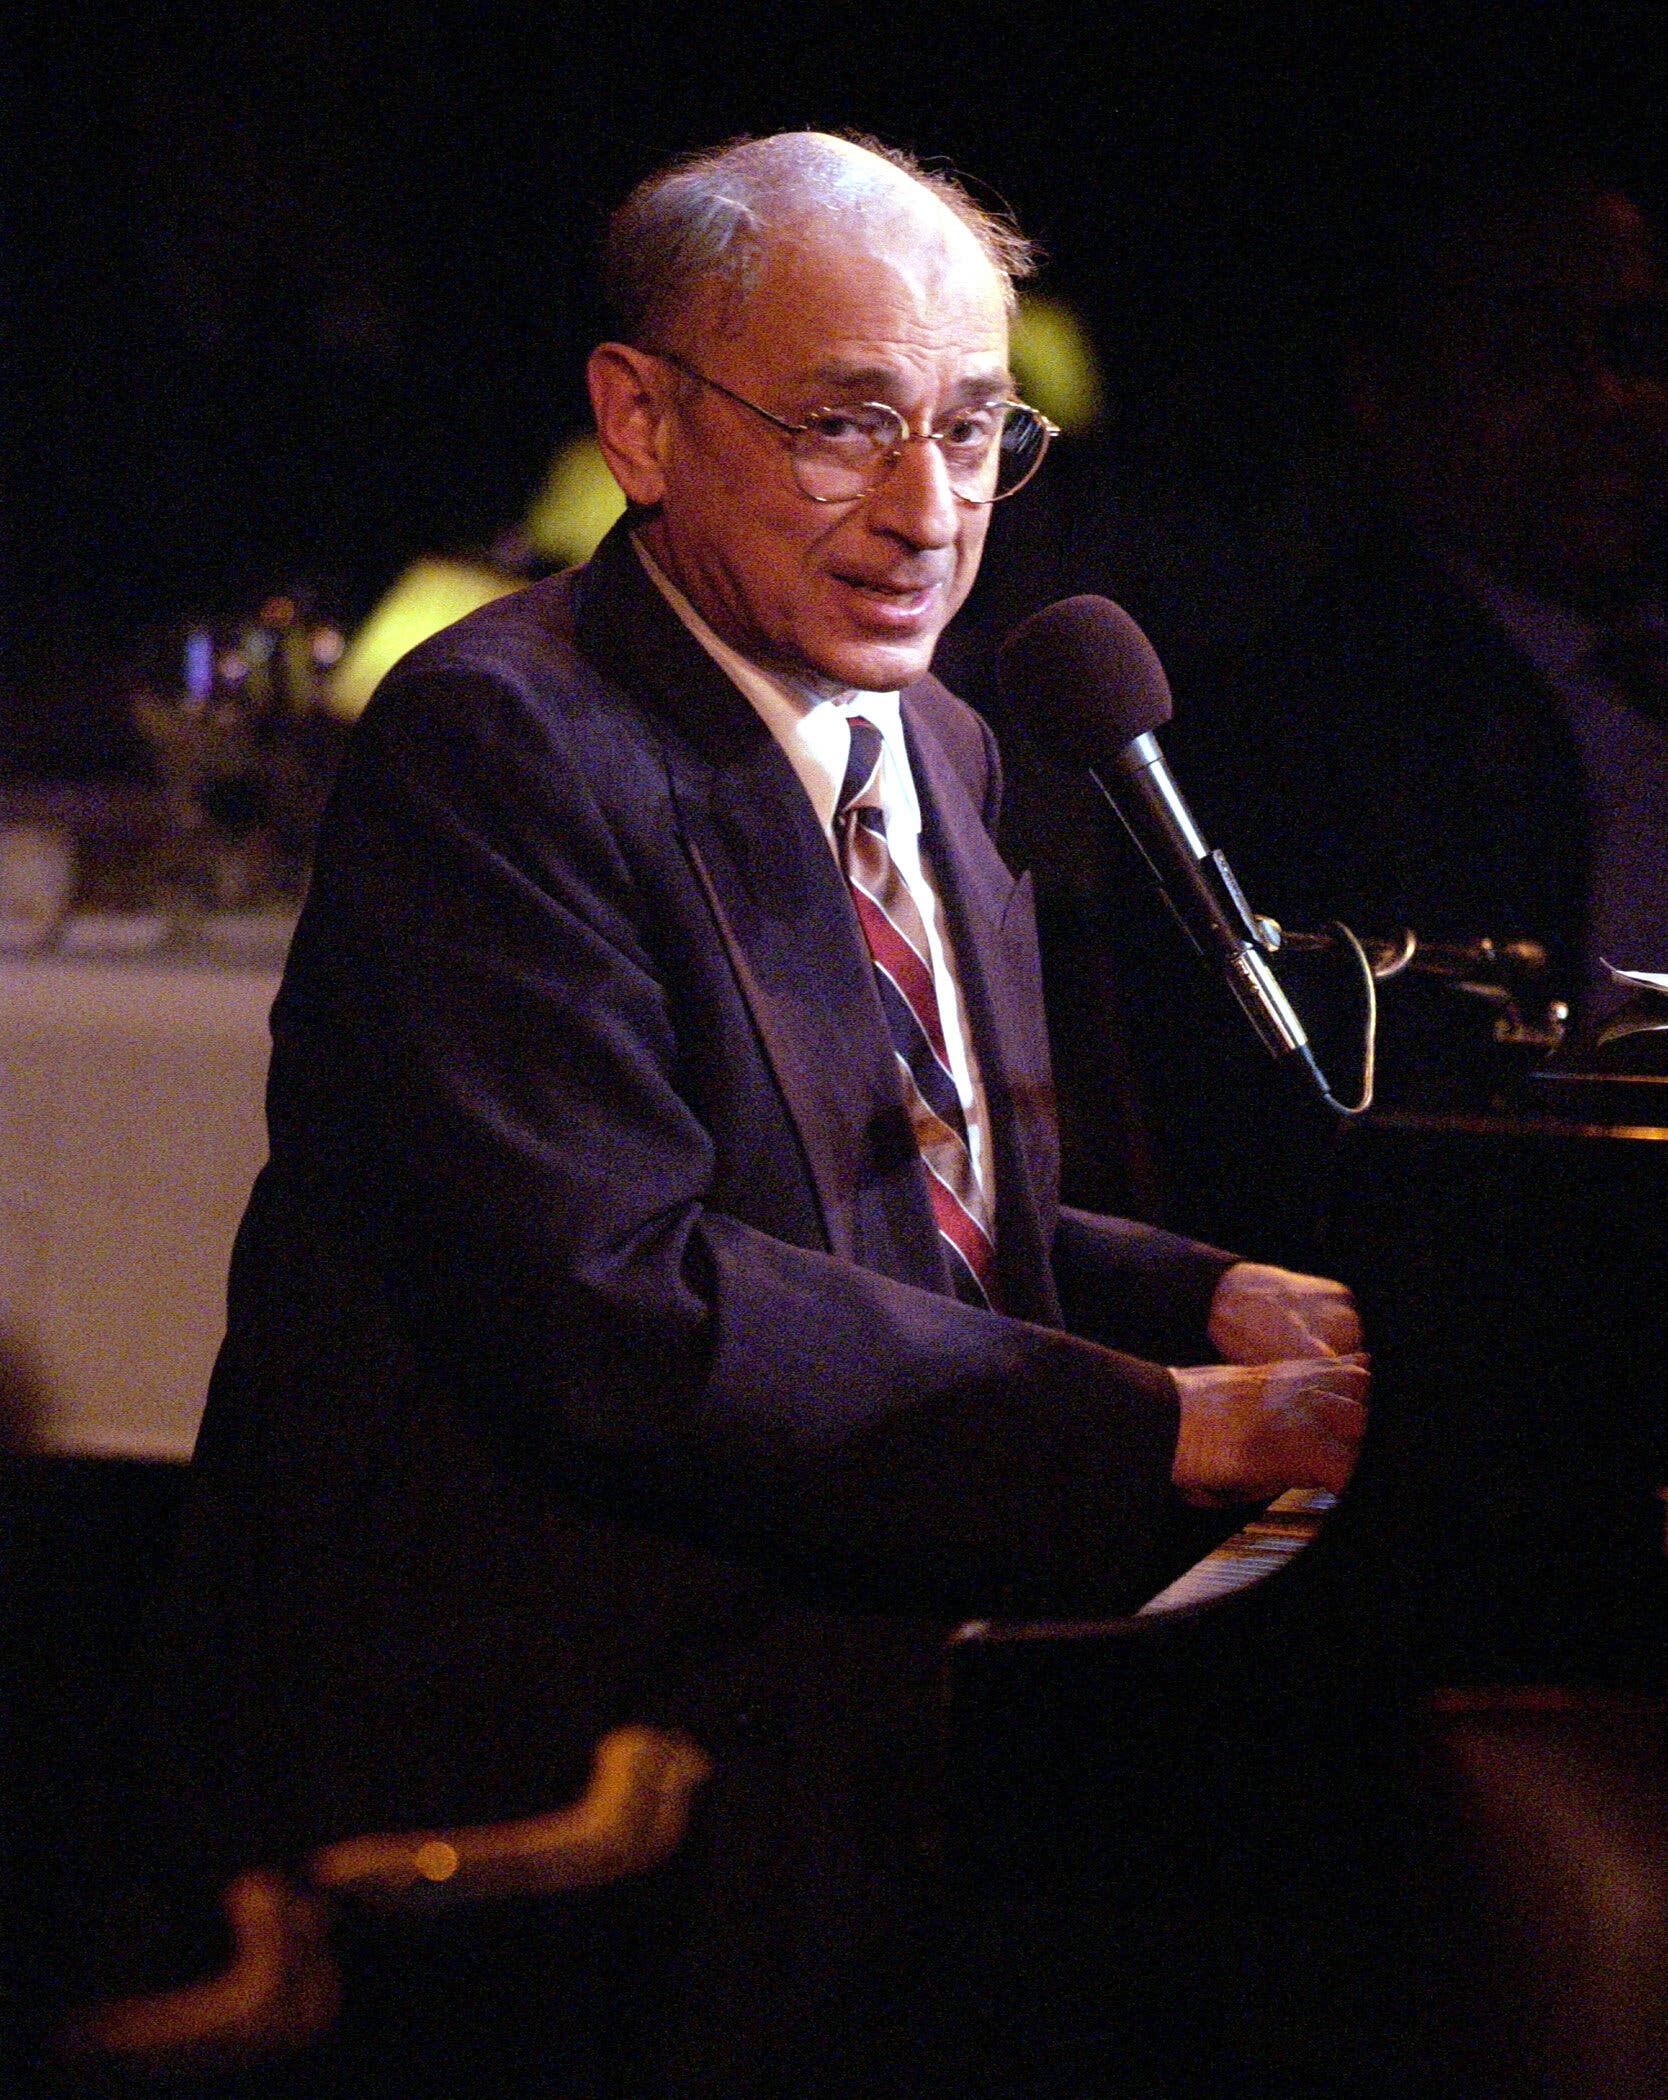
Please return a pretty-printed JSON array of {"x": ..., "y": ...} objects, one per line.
[{"x": 591, "y": 1352}]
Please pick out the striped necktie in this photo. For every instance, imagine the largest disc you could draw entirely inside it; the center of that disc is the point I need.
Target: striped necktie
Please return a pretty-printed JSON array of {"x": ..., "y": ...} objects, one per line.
[{"x": 897, "y": 939}]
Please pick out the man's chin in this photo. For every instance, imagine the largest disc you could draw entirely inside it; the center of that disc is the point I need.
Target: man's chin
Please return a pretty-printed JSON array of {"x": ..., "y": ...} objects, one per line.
[{"x": 870, "y": 666}]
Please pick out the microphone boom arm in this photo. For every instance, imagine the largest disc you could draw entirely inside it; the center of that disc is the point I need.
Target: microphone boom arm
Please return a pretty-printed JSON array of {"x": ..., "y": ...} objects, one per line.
[{"x": 1234, "y": 933}]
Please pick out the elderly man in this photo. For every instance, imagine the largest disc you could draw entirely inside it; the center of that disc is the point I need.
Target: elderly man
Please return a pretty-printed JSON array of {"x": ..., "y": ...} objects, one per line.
[{"x": 657, "y": 1305}]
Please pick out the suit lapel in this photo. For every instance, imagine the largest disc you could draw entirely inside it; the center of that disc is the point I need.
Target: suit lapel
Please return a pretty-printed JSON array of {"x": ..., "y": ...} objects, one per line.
[{"x": 782, "y": 913}]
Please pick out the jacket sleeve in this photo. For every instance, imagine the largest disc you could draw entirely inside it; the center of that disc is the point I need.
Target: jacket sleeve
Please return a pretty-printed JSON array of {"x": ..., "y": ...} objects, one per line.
[{"x": 1153, "y": 1289}]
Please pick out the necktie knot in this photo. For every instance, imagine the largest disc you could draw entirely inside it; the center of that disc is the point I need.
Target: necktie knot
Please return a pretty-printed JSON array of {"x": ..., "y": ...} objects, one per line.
[{"x": 860, "y": 789}]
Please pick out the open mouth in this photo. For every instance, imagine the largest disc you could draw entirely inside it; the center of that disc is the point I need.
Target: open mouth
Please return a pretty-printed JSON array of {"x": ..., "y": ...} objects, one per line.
[{"x": 902, "y": 601}]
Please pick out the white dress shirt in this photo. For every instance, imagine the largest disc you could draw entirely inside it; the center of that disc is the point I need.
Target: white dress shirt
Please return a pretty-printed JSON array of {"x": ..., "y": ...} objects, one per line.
[{"x": 814, "y": 733}]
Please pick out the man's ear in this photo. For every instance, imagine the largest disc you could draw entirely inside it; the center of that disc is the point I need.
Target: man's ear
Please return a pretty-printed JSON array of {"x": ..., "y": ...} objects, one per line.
[{"x": 629, "y": 399}]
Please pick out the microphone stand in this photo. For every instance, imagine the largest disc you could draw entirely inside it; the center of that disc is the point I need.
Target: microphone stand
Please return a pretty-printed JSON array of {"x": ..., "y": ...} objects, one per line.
[{"x": 1505, "y": 975}]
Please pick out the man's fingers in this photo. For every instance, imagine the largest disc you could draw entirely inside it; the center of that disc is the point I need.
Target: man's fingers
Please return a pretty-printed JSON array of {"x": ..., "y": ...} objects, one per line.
[
  {"x": 1335, "y": 1326},
  {"x": 1335, "y": 1408},
  {"x": 1263, "y": 1314},
  {"x": 1324, "y": 1321},
  {"x": 1340, "y": 1425},
  {"x": 1309, "y": 1377},
  {"x": 1251, "y": 1431},
  {"x": 1339, "y": 1414}
]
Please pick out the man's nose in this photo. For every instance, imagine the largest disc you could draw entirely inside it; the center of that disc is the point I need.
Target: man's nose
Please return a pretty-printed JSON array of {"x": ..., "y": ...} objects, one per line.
[{"x": 913, "y": 499}]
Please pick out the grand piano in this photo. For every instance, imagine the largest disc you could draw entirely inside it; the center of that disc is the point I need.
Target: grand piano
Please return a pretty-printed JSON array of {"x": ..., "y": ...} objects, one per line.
[{"x": 1223, "y": 1847}]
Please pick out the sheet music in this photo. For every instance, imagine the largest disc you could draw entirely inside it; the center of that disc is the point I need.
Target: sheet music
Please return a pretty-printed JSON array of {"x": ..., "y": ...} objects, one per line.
[{"x": 1646, "y": 980}]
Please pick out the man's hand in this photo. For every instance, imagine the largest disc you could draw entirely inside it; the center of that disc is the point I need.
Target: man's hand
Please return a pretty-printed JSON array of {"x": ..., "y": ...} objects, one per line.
[
  {"x": 1249, "y": 1432},
  {"x": 1264, "y": 1315}
]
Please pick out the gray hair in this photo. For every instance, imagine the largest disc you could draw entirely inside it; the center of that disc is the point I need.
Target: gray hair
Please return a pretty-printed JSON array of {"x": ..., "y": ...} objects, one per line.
[{"x": 705, "y": 219}]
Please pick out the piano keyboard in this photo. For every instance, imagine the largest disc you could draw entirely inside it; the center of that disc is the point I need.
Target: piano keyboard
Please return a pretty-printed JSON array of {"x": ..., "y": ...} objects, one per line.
[{"x": 1267, "y": 1543}]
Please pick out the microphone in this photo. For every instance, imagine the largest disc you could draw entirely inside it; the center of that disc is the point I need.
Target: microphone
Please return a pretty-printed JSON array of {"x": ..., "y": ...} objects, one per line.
[{"x": 1085, "y": 675}]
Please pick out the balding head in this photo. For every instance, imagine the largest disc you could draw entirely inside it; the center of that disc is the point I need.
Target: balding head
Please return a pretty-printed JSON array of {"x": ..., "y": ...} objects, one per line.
[{"x": 703, "y": 225}]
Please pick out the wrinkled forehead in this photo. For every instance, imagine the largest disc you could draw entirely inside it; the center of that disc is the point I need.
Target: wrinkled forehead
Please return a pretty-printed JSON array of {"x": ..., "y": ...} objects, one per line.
[{"x": 841, "y": 265}]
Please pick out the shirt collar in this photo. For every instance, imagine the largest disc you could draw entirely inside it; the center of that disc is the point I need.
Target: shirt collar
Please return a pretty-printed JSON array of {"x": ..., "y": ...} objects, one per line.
[{"x": 813, "y": 729}]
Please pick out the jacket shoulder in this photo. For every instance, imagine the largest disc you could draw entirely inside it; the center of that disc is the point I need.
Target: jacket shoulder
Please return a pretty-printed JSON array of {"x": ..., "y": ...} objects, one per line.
[{"x": 523, "y": 640}]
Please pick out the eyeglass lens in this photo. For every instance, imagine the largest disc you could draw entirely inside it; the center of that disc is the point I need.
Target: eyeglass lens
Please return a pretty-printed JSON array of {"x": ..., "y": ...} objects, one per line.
[{"x": 988, "y": 453}]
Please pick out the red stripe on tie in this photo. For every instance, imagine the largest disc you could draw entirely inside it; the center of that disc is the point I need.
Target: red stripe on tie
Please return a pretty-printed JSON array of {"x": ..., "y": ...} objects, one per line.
[
  {"x": 964, "y": 1233},
  {"x": 906, "y": 969},
  {"x": 896, "y": 937}
]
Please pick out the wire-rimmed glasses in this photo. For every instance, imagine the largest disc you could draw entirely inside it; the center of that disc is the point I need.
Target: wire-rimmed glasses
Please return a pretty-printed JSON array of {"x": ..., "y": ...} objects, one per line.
[{"x": 990, "y": 448}]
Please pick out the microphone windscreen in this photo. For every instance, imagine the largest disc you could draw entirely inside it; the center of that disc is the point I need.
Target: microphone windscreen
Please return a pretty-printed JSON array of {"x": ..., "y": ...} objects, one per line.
[{"x": 1085, "y": 678}]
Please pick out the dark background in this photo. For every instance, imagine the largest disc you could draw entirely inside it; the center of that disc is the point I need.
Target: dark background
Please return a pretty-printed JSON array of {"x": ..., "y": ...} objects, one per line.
[{"x": 297, "y": 294}]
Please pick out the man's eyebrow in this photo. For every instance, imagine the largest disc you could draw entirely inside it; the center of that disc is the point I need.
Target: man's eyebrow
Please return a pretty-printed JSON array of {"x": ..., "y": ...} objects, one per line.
[{"x": 872, "y": 381}]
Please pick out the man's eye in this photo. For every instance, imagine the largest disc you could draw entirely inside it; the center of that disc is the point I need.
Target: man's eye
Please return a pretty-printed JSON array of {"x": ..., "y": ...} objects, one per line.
[
  {"x": 972, "y": 429},
  {"x": 846, "y": 427}
]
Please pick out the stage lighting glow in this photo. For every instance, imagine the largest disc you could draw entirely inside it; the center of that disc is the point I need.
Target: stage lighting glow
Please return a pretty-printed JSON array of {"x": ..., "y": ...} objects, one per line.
[
  {"x": 430, "y": 595},
  {"x": 1054, "y": 364},
  {"x": 577, "y": 503}
]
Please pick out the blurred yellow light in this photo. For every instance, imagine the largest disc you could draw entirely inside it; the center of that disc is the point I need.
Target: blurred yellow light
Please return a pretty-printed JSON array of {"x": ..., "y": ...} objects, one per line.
[
  {"x": 430, "y": 595},
  {"x": 1054, "y": 363},
  {"x": 576, "y": 505}
]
